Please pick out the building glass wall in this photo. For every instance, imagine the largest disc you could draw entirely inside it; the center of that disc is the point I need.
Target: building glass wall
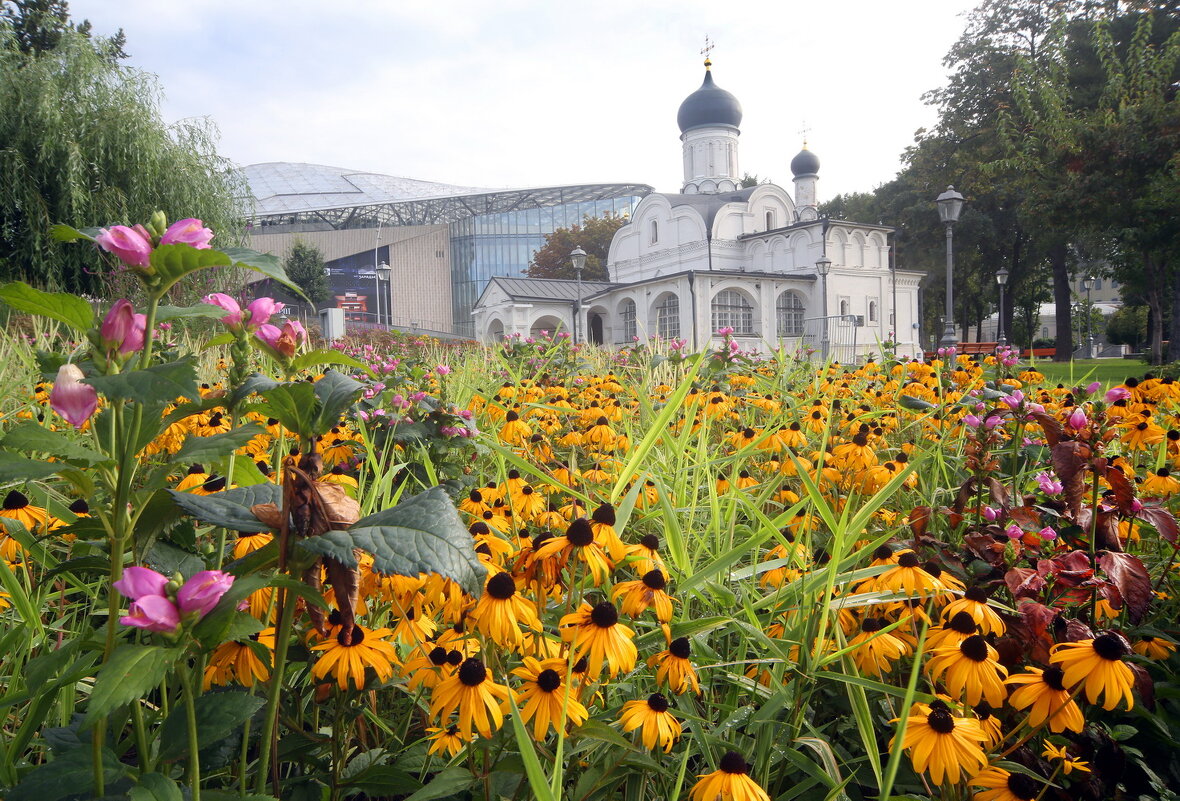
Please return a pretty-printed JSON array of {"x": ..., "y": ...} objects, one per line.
[{"x": 503, "y": 244}]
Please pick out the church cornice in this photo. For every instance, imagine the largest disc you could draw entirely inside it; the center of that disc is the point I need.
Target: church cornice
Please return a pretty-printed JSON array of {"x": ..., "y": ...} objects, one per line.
[{"x": 807, "y": 278}]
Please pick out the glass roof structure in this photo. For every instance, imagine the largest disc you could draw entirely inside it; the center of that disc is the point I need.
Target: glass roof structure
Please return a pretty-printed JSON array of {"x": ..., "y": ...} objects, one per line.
[{"x": 315, "y": 196}]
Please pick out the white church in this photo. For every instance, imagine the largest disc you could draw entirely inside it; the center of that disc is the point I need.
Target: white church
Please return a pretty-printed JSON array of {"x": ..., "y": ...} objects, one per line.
[{"x": 715, "y": 256}]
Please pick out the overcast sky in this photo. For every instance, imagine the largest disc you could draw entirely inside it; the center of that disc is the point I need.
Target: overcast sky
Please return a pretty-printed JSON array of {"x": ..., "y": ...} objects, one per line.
[{"x": 542, "y": 92}]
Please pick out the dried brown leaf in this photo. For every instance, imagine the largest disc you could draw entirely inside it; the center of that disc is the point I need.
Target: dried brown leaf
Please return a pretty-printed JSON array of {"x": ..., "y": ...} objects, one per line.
[
  {"x": 342, "y": 510},
  {"x": 268, "y": 513},
  {"x": 919, "y": 520},
  {"x": 1024, "y": 582},
  {"x": 345, "y": 583}
]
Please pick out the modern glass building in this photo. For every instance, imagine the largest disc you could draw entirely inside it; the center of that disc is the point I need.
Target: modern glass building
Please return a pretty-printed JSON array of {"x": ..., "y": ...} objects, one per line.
[{"x": 353, "y": 216}]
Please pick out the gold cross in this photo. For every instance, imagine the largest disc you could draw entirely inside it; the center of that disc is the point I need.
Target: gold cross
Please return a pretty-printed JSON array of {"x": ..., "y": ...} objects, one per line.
[
  {"x": 708, "y": 48},
  {"x": 804, "y": 131}
]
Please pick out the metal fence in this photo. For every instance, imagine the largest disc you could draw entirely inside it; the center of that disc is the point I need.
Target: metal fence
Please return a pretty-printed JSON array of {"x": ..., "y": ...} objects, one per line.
[{"x": 831, "y": 338}]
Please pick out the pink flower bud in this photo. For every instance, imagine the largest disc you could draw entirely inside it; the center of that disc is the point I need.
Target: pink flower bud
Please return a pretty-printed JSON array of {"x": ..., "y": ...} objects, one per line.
[
  {"x": 261, "y": 310},
  {"x": 224, "y": 301},
  {"x": 1047, "y": 533},
  {"x": 153, "y": 613},
  {"x": 140, "y": 581},
  {"x": 73, "y": 400},
  {"x": 1014, "y": 532},
  {"x": 132, "y": 246},
  {"x": 971, "y": 421},
  {"x": 443, "y": 369},
  {"x": 991, "y": 515},
  {"x": 189, "y": 231},
  {"x": 1115, "y": 394},
  {"x": 1077, "y": 419},
  {"x": 1093, "y": 387},
  {"x": 269, "y": 334},
  {"x": 202, "y": 592},
  {"x": 117, "y": 324}
]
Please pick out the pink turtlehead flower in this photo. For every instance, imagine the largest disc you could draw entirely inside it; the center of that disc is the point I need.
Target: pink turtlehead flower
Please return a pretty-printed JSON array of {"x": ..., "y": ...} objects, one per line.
[
  {"x": 74, "y": 401},
  {"x": 991, "y": 515},
  {"x": 1047, "y": 533},
  {"x": 221, "y": 300},
  {"x": 1014, "y": 532},
  {"x": 202, "y": 592},
  {"x": 261, "y": 310},
  {"x": 132, "y": 246},
  {"x": 1116, "y": 394},
  {"x": 189, "y": 231},
  {"x": 140, "y": 581},
  {"x": 153, "y": 613},
  {"x": 1049, "y": 484},
  {"x": 1077, "y": 419}
]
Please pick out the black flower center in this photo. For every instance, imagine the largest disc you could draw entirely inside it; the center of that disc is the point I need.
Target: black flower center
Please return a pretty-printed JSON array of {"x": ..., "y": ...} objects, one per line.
[
  {"x": 479, "y": 527},
  {"x": 680, "y": 647},
  {"x": 733, "y": 762},
  {"x": 861, "y": 439},
  {"x": 579, "y": 533},
  {"x": 548, "y": 680},
  {"x": 962, "y": 622},
  {"x": 870, "y": 624},
  {"x": 1055, "y": 678},
  {"x": 657, "y": 702},
  {"x": 604, "y": 615},
  {"x": 604, "y": 514},
  {"x": 511, "y": 417},
  {"x": 501, "y": 586},
  {"x": 601, "y": 421},
  {"x": 882, "y": 553},
  {"x": 214, "y": 484},
  {"x": 940, "y": 719},
  {"x": 650, "y": 541},
  {"x": 473, "y": 673},
  {"x": 80, "y": 507},
  {"x": 1023, "y": 787},
  {"x": 476, "y": 496},
  {"x": 933, "y": 568},
  {"x": 977, "y": 594},
  {"x": 580, "y": 666},
  {"x": 438, "y": 656},
  {"x": 984, "y": 710},
  {"x": 357, "y": 636},
  {"x": 196, "y": 470},
  {"x": 454, "y": 658},
  {"x": 1110, "y": 646},
  {"x": 974, "y": 648},
  {"x": 909, "y": 559},
  {"x": 654, "y": 580}
]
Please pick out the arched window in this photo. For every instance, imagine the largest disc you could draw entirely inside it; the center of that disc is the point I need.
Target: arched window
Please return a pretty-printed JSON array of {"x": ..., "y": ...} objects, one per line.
[
  {"x": 731, "y": 309},
  {"x": 843, "y": 306},
  {"x": 769, "y": 220},
  {"x": 630, "y": 332},
  {"x": 872, "y": 311},
  {"x": 789, "y": 312},
  {"x": 668, "y": 317},
  {"x": 655, "y": 232}
]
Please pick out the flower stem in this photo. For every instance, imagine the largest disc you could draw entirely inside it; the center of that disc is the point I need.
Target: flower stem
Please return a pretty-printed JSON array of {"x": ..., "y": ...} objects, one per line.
[
  {"x": 270, "y": 723},
  {"x": 194, "y": 744}
]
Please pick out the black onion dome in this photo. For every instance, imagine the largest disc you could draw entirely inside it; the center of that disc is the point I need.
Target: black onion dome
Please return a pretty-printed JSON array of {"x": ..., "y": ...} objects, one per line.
[
  {"x": 709, "y": 106},
  {"x": 806, "y": 163}
]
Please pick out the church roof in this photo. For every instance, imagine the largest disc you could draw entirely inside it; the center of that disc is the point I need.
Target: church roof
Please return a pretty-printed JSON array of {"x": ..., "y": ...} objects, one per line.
[
  {"x": 549, "y": 288},
  {"x": 707, "y": 205},
  {"x": 709, "y": 106}
]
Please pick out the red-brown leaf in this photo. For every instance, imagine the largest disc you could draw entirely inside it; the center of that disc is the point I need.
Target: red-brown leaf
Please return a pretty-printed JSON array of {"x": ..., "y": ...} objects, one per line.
[
  {"x": 919, "y": 520},
  {"x": 1027, "y": 517},
  {"x": 1069, "y": 462},
  {"x": 998, "y": 492},
  {"x": 1144, "y": 684},
  {"x": 1024, "y": 582},
  {"x": 1076, "y": 631},
  {"x": 1162, "y": 521},
  {"x": 1124, "y": 490},
  {"x": 1128, "y": 574},
  {"x": 1052, "y": 428}
]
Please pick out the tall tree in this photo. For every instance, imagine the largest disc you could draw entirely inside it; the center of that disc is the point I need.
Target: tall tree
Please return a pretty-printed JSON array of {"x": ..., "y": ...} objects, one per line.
[
  {"x": 593, "y": 235},
  {"x": 305, "y": 266},
  {"x": 82, "y": 142},
  {"x": 39, "y": 25}
]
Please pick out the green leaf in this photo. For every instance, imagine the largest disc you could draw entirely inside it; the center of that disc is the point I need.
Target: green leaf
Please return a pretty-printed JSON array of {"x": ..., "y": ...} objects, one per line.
[
  {"x": 163, "y": 383},
  {"x": 170, "y": 263},
  {"x": 215, "y": 627},
  {"x": 314, "y": 358},
  {"x": 420, "y": 535},
  {"x": 157, "y": 513},
  {"x": 69, "y": 775},
  {"x": 67, "y": 233},
  {"x": 265, "y": 263},
  {"x": 230, "y": 508},
  {"x": 218, "y": 446},
  {"x": 294, "y": 404},
  {"x": 166, "y": 558},
  {"x": 336, "y": 392},
  {"x": 447, "y": 782},
  {"x": 916, "y": 404},
  {"x": 255, "y": 382},
  {"x": 224, "y": 338},
  {"x": 155, "y": 787},
  {"x": 218, "y": 714},
  {"x": 246, "y": 473},
  {"x": 17, "y": 468},
  {"x": 30, "y": 437},
  {"x": 131, "y": 673},
  {"x": 69, "y": 309},
  {"x": 384, "y": 781},
  {"x": 207, "y": 310}
]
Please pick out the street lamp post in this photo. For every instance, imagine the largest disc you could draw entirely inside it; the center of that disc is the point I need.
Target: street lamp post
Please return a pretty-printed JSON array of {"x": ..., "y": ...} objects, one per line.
[
  {"x": 1088, "y": 285},
  {"x": 950, "y": 203},
  {"x": 1002, "y": 280},
  {"x": 383, "y": 271},
  {"x": 578, "y": 259},
  {"x": 823, "y": 266}
]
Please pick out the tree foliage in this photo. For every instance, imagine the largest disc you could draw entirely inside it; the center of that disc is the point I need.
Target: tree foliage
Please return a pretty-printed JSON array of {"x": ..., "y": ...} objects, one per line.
[
  {"x": 39, "y": 24},
  {"x": 82, "y": 142},
  {"x": 593, "y": 235},
  {"x": 305, "y": 266}
]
